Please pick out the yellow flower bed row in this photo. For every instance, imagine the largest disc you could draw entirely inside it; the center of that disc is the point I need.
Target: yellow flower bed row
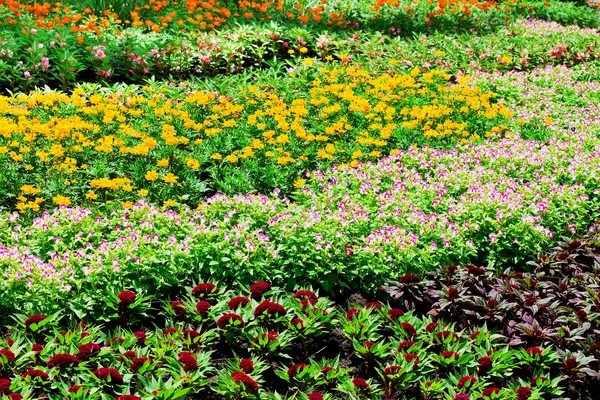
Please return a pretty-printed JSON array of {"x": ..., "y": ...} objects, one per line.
[{"x": 88, "y": 147}]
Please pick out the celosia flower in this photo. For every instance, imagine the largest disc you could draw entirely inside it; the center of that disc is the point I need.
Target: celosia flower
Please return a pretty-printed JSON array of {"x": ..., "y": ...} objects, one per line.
[
  {"x": 444, "y": 335},
  {"x": 474, "y": 335},
  {"x": 140, "y": 336},
  {"x": 409, "y": 279},
  {"x": 411, "y": 357},
  {"x": 129, "y": 355},
  {"x": 361, "y": 384},
  {"x": 408, "y": 329},
  {"x": 228, "y": 319},
  {"x": 139, "y": 363},
  {"x": 571, "y": 363},
  {"x": 467, "y": 381},
  {"x": 534, "y": 381},
  {"x": 581, "y": 314},
  {"x": 9, "y": 355},
  {"x": 202, "y": 308},
  {"x": 189, "y": 361},
  {"x": 170, "y": 331},
  {"x": 535, "y": 351},
  {"x": 204, "y": 289},
  {"x": 373, "y": 304},
  {"x": 128, "y": 397},
  {"x": 297, "y": 322},
  {"x": 475, "y": 271},
  {"x": 269, "y": 308},
  {"x": 87, "y": 350},
  {"x": 270, "y": 335},
  {"x": 258, "y": 289},
  {"x": 250, "y": 385},
  {"x": 523, "y": 393},
  {"x": 246, "y": 365},
  {"x": 34, "y": 319},
  {"x": 306, "y": 294},
  {"x": 36, "y": 347},
  {"x": 449, "y": 354},
  {"x": 104, "y": 374},
  {"x": 453, "y": 293},
  {"x": 431, "y": 327},
  {"x": 5, "y": 386},
  {"x": 395, "y": 313},
  {"x": 191, "y": 334},
  {"x": 530, "y": 301},
  {"x": 352, "y": 313},
  {"x": 15, "y": 396},
  {"x": 461, "y": 396},
  {"x": 488, "y": 392},
  {"x": 238, "y": 302},
  {"x": 127, "y": 298},
  {"x": 405, "y": 345},
  {"x": 36, "y": 373},
  {"x": 62, "y": 361},
  {"x": 178, "y": 308},
  {"x": 492, "y": 303},
  {"x": 391, "y": 370},
  {"x": 75, "y": 389},
  {"x": 296, "y": 369},
  {"x": 485, "y": 364},
  {"x": 315, "y": 396}
]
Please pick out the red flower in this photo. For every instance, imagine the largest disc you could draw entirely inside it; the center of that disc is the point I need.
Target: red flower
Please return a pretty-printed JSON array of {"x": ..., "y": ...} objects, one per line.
[
  {"x": 188, "y": 360},
  {"x": 373, "y": 304},
  {"x": 452, "y": 269},
  {"x": 409, "y": 329},
  {"x": 444, "y": 335},
  {"x": 361, "y": 384},
  {"x": 250, "y": 384},
  {"x": 104, "y": 374},
  {"x": 474, "y": 335},
  {"x": 246, "y": 365},
  {"x": 258, "y": 289},
  {"x": 488, "y": 392},
  {"x": 62, "y": 361},
  {"x": 325, "y": 370},
  {"x": 492, "y": 303},
  {"x": 15, "y": 396},
  {"x": 395, "y": 313},
  {"x": 34, "y": 319},
  {"x": 485, "y": 364},
  {"x": 129, "y": 355},
  {"x": 179, "y": 309},
  {"x": 139, "y": 363},
  {"x": 115, "y": 340},
  {"x": 573, "y": 245},
  {"x": 5, "y": 386},
  {"x": 34, "y": 373},
  {"x": 202, "y": 308},
  {"x": 271, "y": 336},
  {"x": 140, "y": 336},
  {"x": 530, "y": 301},
  {"x": 452, "y": 293},
  {"x": 170, "y": 331},
  {"x": 475, "y": 271},
  {"x": 322, "y": 311},
  {"x": 411, "y": 357},
  {"x": 431, "y": 327},
  {"x": 127, "y": 298},
  {"x": 315, "y": 396},
  {"x": 461, "y": 396},
  {"x": 449, "y": 354},
  {"x": 237, "y": 302},
  {"x": 352, "y": 313},
  {"x": 523, "y": 393},
  {"x": 466, "y": 380},
  {"x": 533, "y": 351},
  {"x": 405, "y": 345},
  {"x": 392, "y": 370},
  {"x": 537, "y": 379},
  {"x": 296, "y": 368},
  {"x": 75, "y": 389},
  {"x": 204, "y": 289},
  {"x": 190, "y": 334},
  {"x": 297, "y": 322},
  {"x": 10, "y": 356},
  {"x": 9, "y": 341},
  {"x": 87, "y": 350},
  {"x": 571, "y": 363},
  {"x": 128, "y": 397},
  {"x": 228, "y": 319},
  {"x": 581, "y": 314},
  {"x": 306, "y": 294},
  {"x": 410, "y": 279},
  {"x": 269, "y": 308}
]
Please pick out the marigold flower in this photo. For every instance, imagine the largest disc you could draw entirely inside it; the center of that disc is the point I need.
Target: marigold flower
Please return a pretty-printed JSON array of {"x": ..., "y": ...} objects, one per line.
[
  {"x": 250, "y": 384},
  {"x": 258, "y": 289},
  {"x": 229, "y": 319},
  {"x": 105, "y": 374},
  {"x": 246, "y": 365},
  {"x": 238, "y": 302}
]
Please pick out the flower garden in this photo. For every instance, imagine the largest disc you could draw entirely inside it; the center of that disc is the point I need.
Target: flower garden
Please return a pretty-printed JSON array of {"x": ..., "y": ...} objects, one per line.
[{"x": 303, "y": 200}]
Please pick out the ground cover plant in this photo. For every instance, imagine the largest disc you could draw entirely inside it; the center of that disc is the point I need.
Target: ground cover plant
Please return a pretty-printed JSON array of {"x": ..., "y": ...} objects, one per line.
[{"x": 299, "y": 200}]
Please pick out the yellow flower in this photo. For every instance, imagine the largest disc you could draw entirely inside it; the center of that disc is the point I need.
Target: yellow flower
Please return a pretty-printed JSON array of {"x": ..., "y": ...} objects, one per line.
[
  {"x": 163, "y": 163},
  {"x": 303, "y": 50},
  {"x": 216, "y": 156},
  {"x": 299, "y": 182},
  {"x": 232, "y": 158},
  {"x": 91, "y": 196},
  {"x": 198, "y": 141},
  {"x": 329, "y": 57},
  {"x": 170, "y": 178},
  {"x": 143, "y": 192},
  {"x": 291, "y": 51},
  {"x": 308, "y": 62},
  {"x": 169, "y": 203},
  {"x": 29, "y": 167},
  {"x": 357, "y": 154},
  {"x": 61, "y": 200},
  {"x": 126, "y": 204},
  {"x": 151, "y": 175},
  {"x": 269, "y": 154}
]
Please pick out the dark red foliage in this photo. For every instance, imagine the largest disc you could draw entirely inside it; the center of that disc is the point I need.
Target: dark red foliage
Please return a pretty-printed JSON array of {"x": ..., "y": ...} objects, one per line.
[
  {"x": 127, "y": 298},
  {"x": 488, "y": 392},
  {"x": 296, "y": 368},
  {"x": 466, "y": 380},
  {"x": 204, "y": 289},
  {"x": 270, "y": 309},
  {"x": 62, "y": 361},
  {"x": 237, "y": 302},
  {"x": 411, "y": 357},
  {"x": 37, "y": 347},
  {"x": 128, "y": 397},
  {"x": 410, "y": 279},
  {"x": 432, "y": 326},
  {"x": 361, "y": 384},
  {"x": 87, "y": 350},
  {"x": 34, "y": 319},
  {"x": 105, "y": 373},
  {"x": 228, "y": 319},
  {"x": 405, "y": 345},
  {"x": 139, "y": 363},
  {"x": 246, "y": 365},
  {"x": 35, "y": 373},
  {"x": 9, "y": 355},
  {"x": 5, "y": 386},
  {"x": 179, "y": 309},
  {"x": 258, "y": 289},
  {"x": 306, "y": 294},
  {"x": 395, "y": 313},
  {"x": 250, "y": 384},
  {"x": 202, "y": 308},
  {"x": 409, "y": 329},
  {"x": 352, "y": 313},
  {"x": 523, "y": 393},
  {"x": 373, "y": 304},
  {"x": 485, "y": 364},
  {"x": 315, "y": 396},
  {"x": 140, "y": 336}
]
